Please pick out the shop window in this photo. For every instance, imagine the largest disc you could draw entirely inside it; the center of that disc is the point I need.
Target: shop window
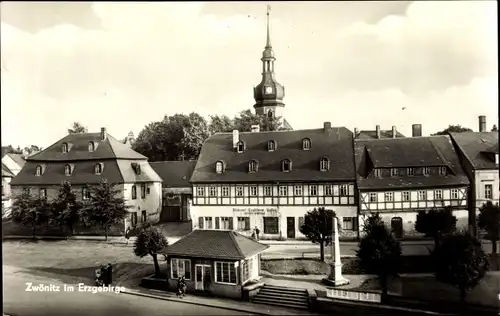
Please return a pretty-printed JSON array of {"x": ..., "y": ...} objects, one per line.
[
  {"x": 244, "y": 223},
  {"x": 180, "y": 267},
  {"x": 271, "y": 225},
  {"x": 225, "y": 272}
]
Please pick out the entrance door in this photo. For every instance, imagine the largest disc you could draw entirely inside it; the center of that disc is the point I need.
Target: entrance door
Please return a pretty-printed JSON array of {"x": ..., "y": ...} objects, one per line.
[
  {"x": 397, "y": 226},
  {"x": 290, "y": 227},
  {"x": 203, "y": 279}
]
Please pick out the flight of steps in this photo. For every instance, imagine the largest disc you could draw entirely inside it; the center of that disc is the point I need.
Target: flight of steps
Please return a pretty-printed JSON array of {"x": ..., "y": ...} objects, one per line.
[{"x": 282, "y": 296}]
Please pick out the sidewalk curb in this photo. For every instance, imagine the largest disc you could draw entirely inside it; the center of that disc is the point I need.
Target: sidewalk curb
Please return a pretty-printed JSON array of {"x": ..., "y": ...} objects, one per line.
[{"x": 137, "y": 293}]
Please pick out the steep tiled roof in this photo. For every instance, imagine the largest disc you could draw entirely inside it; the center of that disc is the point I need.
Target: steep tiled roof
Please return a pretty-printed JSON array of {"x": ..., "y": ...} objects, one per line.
[
  {"x": 433, "y": 151},
  {"x": 18, "y": 158},
  {"x": 78, "y": 143},
  {"x": 334, "y": 144},
  {"x": 478, "y": 147},
  {"x": 175, "y": 174},
  {"x": 373, "y": 134},
  {"x": 6, "y": 172},
  {"x": 216, "y": 244}
]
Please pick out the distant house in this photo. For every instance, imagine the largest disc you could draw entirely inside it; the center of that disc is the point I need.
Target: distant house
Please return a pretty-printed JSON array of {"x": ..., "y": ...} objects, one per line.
[
  {"x": 177, "y": 191},
  {"x": 14, "y": 162},
  {"x": 377, "y": 133},
  {"x": 219, "y": 262},
  {"x": 7, "y": 176},
  {"x": 480, "y": 159},
  {"x": 84, "y": 159}
]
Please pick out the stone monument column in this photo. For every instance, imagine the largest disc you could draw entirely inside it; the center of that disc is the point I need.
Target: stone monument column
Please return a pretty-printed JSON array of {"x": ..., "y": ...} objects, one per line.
[{"x": 335, "y": 277}]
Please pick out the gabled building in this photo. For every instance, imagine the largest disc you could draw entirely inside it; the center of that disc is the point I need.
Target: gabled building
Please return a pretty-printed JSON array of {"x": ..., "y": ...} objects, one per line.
[
  {"x": 7, "y": 176},
  {"x": 14, "y": 162},
  {"x": 87, "y": 158},
  {"x": 271, "y": 179},
  {"x": 177, "y": 191},
  {"x": 399, "y": 177},
  {"x": 479, "y": 155}
]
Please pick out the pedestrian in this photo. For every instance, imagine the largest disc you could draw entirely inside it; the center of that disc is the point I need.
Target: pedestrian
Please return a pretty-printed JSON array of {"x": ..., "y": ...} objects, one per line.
[
  {"x": 257, "y": 232},
  {"x": 253, "y": 235},
  {"x": 127, "y": 234},
  {"x": 109, "y": 272},
  {"x": 98, "y": 275}
]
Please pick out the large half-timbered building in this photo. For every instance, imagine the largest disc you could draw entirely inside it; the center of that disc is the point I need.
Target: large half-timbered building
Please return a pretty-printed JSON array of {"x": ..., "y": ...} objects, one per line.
[
  {"x": 400, "y": 176},
  {"x": 269, "y": 180}
]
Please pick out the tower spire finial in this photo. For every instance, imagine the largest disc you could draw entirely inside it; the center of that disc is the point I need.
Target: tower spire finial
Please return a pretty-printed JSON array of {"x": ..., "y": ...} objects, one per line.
[{"x": 268, "y": 42}]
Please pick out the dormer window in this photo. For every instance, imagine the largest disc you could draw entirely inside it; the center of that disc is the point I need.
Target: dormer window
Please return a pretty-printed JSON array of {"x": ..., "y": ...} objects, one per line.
[
  {"x": 65, "y": 148},
  {"x": 138, "y": 169},
  {"x": 67, "y": 170},
  {"x": 219, "y": 167},
  {"x": 377, "y": 173},
  {"x": 324, "y": 164},
  {"x": 286, "y": 165},
  {"x": 91, "y": 146},
  {"x": 253, "y": 166},
  {"x": 271, "y": 145},
  {"x": 240, "y": 146},
  {"x": 38, "y": 171},
  {"x": 426, "y": 171},
  {"x": 98, "y": 168},
  {"x": 306, "y": 144},
  {"x": 442, "y": 171},
  {"x": 410, "y": 171},
  {"x": 394, "y": 172},
  {"x": 270, "y": 114}
]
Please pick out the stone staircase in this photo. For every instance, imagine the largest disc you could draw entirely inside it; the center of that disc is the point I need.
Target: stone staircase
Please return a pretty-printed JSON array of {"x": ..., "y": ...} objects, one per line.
[{"x": 282, "y": 296}]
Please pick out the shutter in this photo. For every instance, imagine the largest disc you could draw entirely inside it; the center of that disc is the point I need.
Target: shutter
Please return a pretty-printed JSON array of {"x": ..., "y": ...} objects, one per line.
[
  {"x": 200, "y": 222},
  {"x": 230, "y": 223},
  {"x": 355, "y": 223},
  {"x": 217, "y": 223},
  {"x": 247, "y": 223}
]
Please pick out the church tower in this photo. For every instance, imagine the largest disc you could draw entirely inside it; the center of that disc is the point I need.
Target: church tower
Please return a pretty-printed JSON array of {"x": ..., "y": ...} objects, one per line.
[{"x": 269, "y": 94}]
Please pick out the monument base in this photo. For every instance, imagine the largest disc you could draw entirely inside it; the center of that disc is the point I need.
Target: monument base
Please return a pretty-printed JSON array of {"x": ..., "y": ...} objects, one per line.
[{"x": 335, "y": 278}]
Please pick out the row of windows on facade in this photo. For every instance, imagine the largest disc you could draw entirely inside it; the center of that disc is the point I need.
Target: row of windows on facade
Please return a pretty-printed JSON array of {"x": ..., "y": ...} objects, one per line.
[
  {"x": 225, "y": 272},
  {"x": 394, "y": 172},
  {"x": 286, "y": 165},
  {"x": 272, "y": 145},
  {"x": 68, "y": 169},
  {"x": 271, "y": 224},
  {"x": 91, "y": 147},
  {"x": 42, "y": 192},
  {"x": 405, "y": 197},
  {"x": 282, "y": 190}
]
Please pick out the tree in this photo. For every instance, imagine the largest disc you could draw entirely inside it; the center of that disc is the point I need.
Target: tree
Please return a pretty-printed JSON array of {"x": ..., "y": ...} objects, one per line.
[
  {"x": 149, "y": 241},
  {"x": 379, "y": 252},
  {"x": 220, "y": 124},
  {"x": 435, "y": 223},
  {"x": 318, "y": 227},
  {"x": 105, "y": 206},
  {"x": 460, "y": 261},
  {"x": 494, "y": 128},
  {"x": 489, "y": 220},
  {"x": 176, "y": 137},
  {"x": 453, "y": 129},
  {"x": 77, "y": 128},
  {"x": 65, "y": 209},
  {"x": 245, "y": 119},
  {"x": 28, "y": 210}
]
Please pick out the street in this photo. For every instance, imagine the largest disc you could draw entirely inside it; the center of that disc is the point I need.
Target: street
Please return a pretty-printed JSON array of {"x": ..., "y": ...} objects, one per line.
[
  {"x": 19, "y": 302},
  {"x": 308, "y": 250}
]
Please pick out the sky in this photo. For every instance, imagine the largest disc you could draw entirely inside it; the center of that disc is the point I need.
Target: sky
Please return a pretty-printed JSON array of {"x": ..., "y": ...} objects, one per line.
[{"x": 355, "y": 64}]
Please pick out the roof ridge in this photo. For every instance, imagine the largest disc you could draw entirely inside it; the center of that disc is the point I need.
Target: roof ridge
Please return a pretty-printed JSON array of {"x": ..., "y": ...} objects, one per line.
[{"x": 235, "y": 242}]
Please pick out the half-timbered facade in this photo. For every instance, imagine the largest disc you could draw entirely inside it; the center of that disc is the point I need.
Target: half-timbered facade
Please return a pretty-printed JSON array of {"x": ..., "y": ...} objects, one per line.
[
  {"x": 400, "y": 177},
  {"x": 270, "y": 180}
]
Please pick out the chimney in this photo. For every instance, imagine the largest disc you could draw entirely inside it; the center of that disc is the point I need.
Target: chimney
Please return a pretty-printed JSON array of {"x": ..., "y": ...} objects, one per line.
[
  {"x": 355, "y": 132},
  {"x": 236, "y": 138},
  {"x": 327, "y": 126},
  {"x": 255, "y": 128},
  {"x": 482, "y": 123},
  {"x": 103, "y": 133},
  {"x": 416, "y": 130},
  {"x": 394, "y": 132},
  {"x": 378, "y": 131}
]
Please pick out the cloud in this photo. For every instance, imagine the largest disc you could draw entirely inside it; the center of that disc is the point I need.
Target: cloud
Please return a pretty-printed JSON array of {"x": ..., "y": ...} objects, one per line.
[{"x": 355, "y": 63}]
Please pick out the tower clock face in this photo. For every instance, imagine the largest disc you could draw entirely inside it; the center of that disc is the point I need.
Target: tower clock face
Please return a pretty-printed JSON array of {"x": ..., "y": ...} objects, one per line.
[{"x": 269, "y": 90}]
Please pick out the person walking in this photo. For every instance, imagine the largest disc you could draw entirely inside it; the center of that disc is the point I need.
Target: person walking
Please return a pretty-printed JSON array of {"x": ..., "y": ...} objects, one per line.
[{"x": 257, "y": 232}]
